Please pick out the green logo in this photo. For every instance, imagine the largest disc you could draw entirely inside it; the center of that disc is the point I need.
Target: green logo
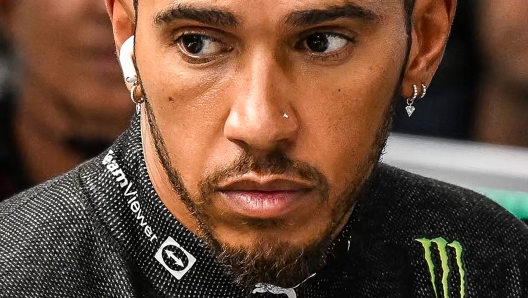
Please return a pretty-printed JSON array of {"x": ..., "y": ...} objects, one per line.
[{"x": 442, "y": 246}]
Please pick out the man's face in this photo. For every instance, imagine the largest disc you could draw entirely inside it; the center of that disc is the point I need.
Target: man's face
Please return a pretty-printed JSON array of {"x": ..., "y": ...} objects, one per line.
[
  {"x": 269, "y": 115},
  {"x": 67, "y": 49}
]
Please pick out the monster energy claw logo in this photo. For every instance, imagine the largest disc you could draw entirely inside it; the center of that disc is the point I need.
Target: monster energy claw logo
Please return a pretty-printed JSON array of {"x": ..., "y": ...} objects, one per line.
[{"x": 442, "y": 246}]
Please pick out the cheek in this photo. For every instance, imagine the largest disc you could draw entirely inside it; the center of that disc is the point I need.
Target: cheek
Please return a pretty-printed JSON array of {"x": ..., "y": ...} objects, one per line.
[
  {"x": 343, "y": 119},
  {"x": 190, "y": 108},
  {"x": 341, "y": 144}
]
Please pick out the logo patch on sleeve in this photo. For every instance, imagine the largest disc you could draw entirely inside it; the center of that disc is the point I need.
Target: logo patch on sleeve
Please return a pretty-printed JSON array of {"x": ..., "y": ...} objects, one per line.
[
  {"x": 175, "y": 258},
  {"x": 440, "y": 251}
]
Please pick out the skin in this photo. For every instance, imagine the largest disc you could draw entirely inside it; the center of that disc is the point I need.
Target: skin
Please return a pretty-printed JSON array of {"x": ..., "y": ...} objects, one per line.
[
  {"x": 70, "y": 81},
  {"x": 501, "y": 110},
  {"x": 210, "y": 115}
]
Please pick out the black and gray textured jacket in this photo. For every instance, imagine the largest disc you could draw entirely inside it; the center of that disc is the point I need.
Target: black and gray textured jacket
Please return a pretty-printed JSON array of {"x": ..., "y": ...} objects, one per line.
[{"x": 101, "y": 231}]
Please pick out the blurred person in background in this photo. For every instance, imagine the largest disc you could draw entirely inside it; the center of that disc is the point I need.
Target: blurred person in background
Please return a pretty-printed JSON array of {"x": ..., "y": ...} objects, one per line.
[
  {"x": 4, "y": 62},
  {"x": 56, "y": 116},
  {"x": 501, "y": 112}
]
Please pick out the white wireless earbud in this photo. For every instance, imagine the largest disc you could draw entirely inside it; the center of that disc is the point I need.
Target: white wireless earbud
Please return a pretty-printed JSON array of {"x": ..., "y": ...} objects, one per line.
[{"x": 126, "y": 58}]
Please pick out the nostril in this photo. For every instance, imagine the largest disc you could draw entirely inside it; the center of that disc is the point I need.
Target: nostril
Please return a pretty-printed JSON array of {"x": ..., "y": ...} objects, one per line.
[{"x": 263, "y": 131}]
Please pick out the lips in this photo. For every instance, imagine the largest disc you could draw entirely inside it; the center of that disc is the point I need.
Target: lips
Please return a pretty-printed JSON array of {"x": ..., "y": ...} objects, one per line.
[{"x": 265, "y": 197}]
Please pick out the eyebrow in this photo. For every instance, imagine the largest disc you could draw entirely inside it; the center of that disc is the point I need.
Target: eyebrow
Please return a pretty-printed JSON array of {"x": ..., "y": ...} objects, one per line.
[
  {"x": 208, "y": 16},
  {"x": 317, "y": 16}
]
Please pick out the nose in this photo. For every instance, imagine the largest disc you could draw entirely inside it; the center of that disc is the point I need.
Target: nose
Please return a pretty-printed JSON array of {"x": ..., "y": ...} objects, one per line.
[{"x": 262, "y": 117}]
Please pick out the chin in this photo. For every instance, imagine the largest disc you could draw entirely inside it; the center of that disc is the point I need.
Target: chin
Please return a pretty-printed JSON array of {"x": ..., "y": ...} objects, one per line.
[{"x": 271, "y": 257}]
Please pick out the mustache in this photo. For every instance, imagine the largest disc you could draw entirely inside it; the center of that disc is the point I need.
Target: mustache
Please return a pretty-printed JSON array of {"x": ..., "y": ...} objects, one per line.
[{"x": 274, "y": 163}]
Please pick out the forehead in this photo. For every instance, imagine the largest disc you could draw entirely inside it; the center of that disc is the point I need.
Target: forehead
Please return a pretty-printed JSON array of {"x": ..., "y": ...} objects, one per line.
[{"x": 272, "y": 11}]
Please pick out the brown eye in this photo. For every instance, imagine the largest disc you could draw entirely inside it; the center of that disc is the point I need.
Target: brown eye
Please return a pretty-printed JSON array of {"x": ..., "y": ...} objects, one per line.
[
  {"x": 325, "y": 43},
  {"x": 200, "y": 46},
  {"x": 193, "y": 44}
]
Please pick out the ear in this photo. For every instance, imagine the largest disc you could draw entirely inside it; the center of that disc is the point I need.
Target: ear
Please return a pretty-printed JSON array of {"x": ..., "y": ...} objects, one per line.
[
  {"x": 431, "y": 25},
  {"x": 122, "y": 16}
]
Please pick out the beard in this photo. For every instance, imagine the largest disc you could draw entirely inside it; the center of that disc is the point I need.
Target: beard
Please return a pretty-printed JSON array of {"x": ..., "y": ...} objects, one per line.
[{"x": 271, "y": 261}]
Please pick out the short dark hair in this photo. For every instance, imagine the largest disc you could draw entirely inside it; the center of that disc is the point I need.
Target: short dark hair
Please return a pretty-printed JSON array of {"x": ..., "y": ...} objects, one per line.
[{"x": 408, "y": 7}]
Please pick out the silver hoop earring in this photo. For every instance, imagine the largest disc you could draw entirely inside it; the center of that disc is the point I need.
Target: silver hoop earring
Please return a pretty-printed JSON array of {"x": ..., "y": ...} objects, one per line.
[
  {"x": 410, "y": 101},
  {"x": 424, "y": 91},
  {"x": 135, "y": 100}
]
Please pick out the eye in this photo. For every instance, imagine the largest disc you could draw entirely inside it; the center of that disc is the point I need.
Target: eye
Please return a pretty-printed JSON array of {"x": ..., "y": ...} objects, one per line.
[
  {"x": 198, "y": 46},
  {"x": 325, "y": 43}
]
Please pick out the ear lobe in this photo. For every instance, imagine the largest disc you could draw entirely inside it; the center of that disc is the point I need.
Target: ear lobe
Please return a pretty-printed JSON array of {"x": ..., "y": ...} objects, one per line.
[
  {"x": 122, "y": 16},
  {"x": 432, "y": 21}
]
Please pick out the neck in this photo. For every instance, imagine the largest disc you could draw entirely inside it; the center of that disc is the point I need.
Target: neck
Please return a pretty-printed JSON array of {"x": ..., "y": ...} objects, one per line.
[
  {"x": 43, "y": 123},
  {"x": 500, "y": 116}
]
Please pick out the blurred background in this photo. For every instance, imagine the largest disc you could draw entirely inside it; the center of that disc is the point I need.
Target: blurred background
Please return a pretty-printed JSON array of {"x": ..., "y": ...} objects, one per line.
[
  {"x": 470, "y": 130},
  {"x": 62, "y": 96}
]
